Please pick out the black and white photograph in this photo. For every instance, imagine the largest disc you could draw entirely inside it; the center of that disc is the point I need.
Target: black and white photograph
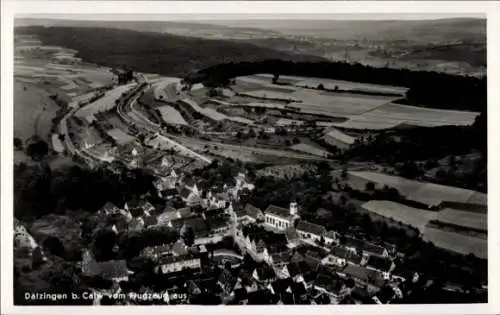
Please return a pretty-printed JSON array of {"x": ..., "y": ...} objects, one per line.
[{"x": 273, "y": 159}]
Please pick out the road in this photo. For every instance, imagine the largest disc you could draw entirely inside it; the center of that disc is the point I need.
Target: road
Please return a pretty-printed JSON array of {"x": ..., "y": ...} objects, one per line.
[{"x": 131, "y": 116}]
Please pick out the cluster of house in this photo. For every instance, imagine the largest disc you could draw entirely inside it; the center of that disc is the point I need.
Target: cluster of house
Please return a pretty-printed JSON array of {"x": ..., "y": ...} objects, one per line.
[
  {"x": 207, "y": 214},
  {"x": 370, "y": 268},
  {"x": 26, "y": 250},
  {"x": 295, "y": 260}
]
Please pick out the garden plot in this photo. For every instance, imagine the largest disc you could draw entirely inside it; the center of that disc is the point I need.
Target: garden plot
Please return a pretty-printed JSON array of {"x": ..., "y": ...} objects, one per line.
[
  {"x": 171, "y": 116},
  {"x": 309, "y": 149},
  {"x": 457, "y": 242},
  {"x": 467, "y": 219},
  {"x": 408, "y": 215}
]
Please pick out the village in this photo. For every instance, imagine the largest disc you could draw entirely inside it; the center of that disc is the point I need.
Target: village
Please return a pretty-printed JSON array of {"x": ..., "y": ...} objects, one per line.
[
  {"x": 259, "y": 189},
  {"x": 213, "y": 248}
]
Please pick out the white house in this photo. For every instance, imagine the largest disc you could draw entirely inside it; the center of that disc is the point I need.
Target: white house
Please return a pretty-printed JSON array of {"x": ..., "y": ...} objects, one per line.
[
  {"x": 331, "y": 238},
  {"x": 281, "y": 218}
]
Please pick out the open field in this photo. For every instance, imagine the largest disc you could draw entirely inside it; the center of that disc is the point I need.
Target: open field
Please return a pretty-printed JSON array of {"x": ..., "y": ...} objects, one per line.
[
  {"x": 105, "y": 103},
  {"x": 456, "y": 242},
  {"x": 363, "y": 112},
  {"x": 330, "y": 84},
  {"x": 271, "y": 95},
  {"x": 408, "y": 215},
  {"x": 309, "y": 149},
  {"x": 425, "y": 117},
  {"x": 171, "y": 116},
  {"x": 120, "y": 136},
  {"x": 434, "y": 194},
  {"x": 422, "y": 192},
  {"x": 33, "y": 112},
  {"x": 358, "y": 180},
  {"x": 467, "y": 219}
]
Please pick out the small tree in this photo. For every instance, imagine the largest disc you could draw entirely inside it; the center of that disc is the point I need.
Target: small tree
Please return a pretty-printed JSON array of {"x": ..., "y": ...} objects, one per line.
[
  {"x": 276, "y": 76},
  {"x": 18, "y": 144},
  {"x": 344, "y": 173},
  {"x": 370, "y": 186},
  {"x": 37, "y": 150},
  {"x": 321, "y": 86},
  {"x": 188, "y": 236}
]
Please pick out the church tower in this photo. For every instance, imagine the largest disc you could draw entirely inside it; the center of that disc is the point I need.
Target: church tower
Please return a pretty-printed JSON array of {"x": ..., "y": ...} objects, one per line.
[{"x": 294, "y": 209}]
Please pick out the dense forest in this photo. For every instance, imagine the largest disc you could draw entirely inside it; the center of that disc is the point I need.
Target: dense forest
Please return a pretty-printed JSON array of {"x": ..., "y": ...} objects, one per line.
[
  {"x": 430, "y": 89},
  {"x": 39, "y": 191},
  {"x": 152, "y": 52}
]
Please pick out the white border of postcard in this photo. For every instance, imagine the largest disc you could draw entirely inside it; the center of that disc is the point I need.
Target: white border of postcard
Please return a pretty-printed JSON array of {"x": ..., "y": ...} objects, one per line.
[{"x": 249, "y": 10}]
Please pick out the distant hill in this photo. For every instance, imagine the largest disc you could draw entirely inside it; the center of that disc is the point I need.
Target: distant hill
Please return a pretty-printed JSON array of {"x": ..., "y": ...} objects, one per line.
[
  {"x": 409, "y": 30},
  {"x": 177, "y": 28},
  {"x": 373, "y": 30},
  {"x": 153, "y": 52}
]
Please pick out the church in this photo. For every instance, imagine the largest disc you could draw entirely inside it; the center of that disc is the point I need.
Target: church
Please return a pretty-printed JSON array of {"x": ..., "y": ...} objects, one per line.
[{"x": 281, "y": 218}]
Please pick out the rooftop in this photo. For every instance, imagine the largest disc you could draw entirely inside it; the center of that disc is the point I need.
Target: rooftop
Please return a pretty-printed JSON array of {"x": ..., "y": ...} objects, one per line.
[
  {"x": 342, "y": 252},
  {"x": 279, "y": 212},
  {"x": 365, "y": 246},
  {"x": 379, "y": 263},
  {"x": 249, "y": 210},
  {"x": 265, "y": 272},
  {"x": 281, "y": 257},
  {"x": 171, "y": 259},
  {"x": 363, "y": 274},
  {"x": 330, "y": 283},
  {"x": 312, "y": 228}
]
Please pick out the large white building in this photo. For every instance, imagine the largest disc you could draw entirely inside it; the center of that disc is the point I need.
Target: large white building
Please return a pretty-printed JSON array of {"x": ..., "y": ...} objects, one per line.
[
  {"x": 281, "y": 218},
  {"x": 170, "y": 264}
]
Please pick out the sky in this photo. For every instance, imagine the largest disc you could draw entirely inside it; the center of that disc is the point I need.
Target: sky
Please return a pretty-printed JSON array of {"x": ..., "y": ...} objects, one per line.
[{"x": 236, "y": 17}]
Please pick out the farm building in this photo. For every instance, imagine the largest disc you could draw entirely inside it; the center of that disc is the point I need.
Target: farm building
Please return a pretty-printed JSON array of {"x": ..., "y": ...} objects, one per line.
[{"x": 339, "y": 139}]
